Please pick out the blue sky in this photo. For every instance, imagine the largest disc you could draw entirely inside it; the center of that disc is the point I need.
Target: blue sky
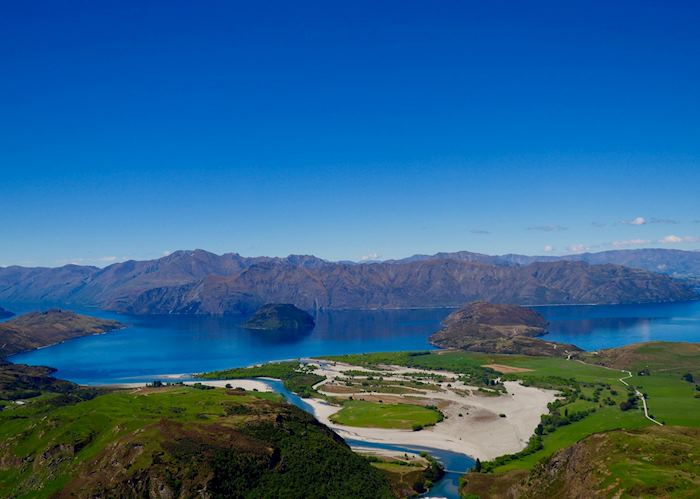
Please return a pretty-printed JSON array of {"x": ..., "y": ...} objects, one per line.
[{"x": 346, "y": 129}]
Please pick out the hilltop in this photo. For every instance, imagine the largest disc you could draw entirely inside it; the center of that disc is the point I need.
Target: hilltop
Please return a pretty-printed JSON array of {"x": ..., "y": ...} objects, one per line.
[
  {"x": 176, "y": 441},
  {"x": 497, "y": 328},
  {"x": 280, "y": 316},
  {"x": 199, "y": 282},
  {"x": 39, "y": 329}
]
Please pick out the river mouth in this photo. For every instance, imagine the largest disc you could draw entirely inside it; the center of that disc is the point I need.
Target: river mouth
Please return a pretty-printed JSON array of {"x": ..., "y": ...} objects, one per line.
[{"x": 455, "y": 464}]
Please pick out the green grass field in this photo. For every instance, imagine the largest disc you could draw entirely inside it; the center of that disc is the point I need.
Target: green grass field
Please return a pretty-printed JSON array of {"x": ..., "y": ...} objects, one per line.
[{"x": 376, "y": 415}]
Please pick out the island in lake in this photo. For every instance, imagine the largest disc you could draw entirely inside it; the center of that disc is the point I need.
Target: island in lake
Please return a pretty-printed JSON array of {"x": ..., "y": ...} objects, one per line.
[
  {"x": 280, "y": 316},
  {"x": 498, "y": 328}
]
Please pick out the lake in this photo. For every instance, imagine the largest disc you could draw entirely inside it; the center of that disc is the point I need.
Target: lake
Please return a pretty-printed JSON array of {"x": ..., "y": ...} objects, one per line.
[{"x": 151, "y": 346}]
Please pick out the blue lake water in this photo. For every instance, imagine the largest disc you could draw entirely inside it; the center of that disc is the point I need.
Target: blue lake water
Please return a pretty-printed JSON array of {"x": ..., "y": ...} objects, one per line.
[{"x": 155, "y": 345}]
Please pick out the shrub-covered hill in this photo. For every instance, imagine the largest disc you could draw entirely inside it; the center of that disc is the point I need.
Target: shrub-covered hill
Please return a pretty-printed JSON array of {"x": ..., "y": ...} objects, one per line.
[
  {"x": 498, "y": 328},
  {"x": 280, "y": 316},
  {"x": 176, "y": 441},
  {"x": 649, "y": 462}
]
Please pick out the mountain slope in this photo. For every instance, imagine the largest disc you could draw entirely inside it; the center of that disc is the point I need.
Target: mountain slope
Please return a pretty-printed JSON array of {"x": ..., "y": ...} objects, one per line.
[
  {"x": 429, "y": 283},
  {"x": 200, "y": 282},
  {"x": 649, "y": 462},
  {"x": 677, "y": 263}
]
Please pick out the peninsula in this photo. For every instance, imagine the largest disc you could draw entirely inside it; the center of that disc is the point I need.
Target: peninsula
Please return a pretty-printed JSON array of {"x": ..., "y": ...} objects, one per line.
[{"x": 39, "y": 329}]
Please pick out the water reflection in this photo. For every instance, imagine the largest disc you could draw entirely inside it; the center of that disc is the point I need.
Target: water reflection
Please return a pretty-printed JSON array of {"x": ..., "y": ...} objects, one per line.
[
  {"x": 608, "y": 326},
  {"x": 586, "y": 326}
]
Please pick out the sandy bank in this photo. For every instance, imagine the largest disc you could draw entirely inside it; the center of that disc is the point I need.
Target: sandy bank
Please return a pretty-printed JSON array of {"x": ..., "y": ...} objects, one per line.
[{"x": 473, "y": 423}]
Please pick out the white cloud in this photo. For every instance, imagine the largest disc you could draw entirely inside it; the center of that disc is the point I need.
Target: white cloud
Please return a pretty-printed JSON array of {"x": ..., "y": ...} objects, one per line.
[
  {"x": 576, "y": 248},
  {"x": 635, "y": 221},
  {"x": 371, "y": 256},
  {"x": 548, "y": 248},
  {"x": 167, "y": 252},
  {"x": 108, "y": 259},
  {"x": 628, "y": 243},
  {"x": 673, "y": 239},
  {"x": 479, "y": 231}
]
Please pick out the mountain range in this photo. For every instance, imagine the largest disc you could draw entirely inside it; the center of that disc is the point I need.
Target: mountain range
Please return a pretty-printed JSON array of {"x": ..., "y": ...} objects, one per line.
[
  {"x": 676, "y": 263},
  {"x": 200, "y": 282}
]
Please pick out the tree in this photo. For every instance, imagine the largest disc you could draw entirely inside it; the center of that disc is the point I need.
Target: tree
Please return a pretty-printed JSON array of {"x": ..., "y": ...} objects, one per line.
[
  {"x": 688, "y": 377},
  {"x": 477, "y": 465}
]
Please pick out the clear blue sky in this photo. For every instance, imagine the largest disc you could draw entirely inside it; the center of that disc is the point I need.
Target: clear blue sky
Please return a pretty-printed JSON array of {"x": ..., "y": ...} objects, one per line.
[{"x": 346, "y": 129}]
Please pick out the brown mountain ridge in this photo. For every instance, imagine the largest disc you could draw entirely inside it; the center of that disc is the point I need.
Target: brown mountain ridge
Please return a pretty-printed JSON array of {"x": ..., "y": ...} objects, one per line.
[{"x": 199, "y": 282}]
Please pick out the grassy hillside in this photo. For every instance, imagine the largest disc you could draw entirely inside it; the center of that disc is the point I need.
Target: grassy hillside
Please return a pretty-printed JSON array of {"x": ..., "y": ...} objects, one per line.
[
  {"x": 669, "y": 373},
  {"x": 650, "y": 462},
  {"x": 176, "y": 441},
  {"x": 659, "y": 370},
  {"x": 656, "y": 356}
]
